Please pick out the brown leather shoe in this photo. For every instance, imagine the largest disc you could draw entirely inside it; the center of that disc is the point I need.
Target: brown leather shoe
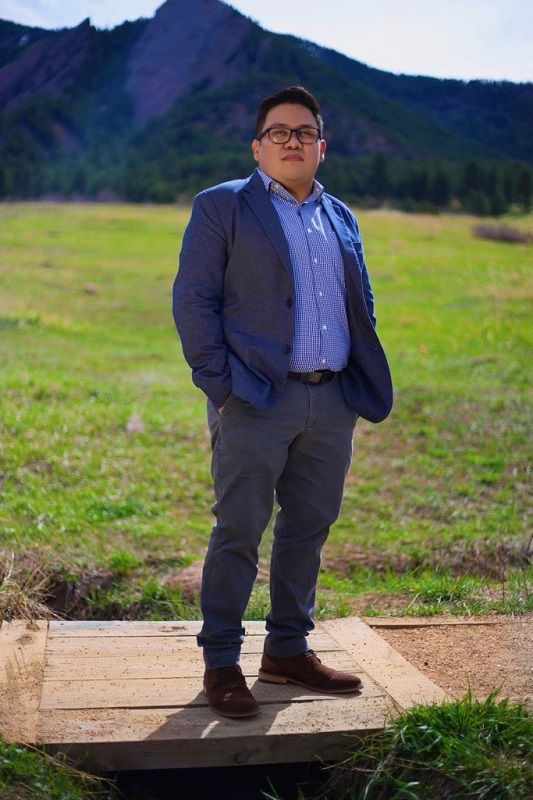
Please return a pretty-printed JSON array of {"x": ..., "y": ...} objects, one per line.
[
  {"x": 228, "y": 694},
  {"x": 307, "y": 670}
]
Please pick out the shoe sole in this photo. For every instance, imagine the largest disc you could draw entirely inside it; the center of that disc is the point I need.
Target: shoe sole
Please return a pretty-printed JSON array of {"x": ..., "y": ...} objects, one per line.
[
  {"x": 270, "y": 677},
  {"x": 249, "y": 715}
]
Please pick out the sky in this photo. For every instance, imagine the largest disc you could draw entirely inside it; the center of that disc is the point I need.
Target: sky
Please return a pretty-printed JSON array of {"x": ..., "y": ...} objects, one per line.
[{"x": 465, "y": 39}]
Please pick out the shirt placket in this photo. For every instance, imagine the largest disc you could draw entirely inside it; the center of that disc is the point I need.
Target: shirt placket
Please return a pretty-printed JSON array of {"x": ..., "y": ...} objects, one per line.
[{"x": 315, "y": 237}]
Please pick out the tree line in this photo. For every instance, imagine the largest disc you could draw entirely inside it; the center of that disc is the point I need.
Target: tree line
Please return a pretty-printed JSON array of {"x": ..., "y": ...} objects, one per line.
[
  {"x": 139, "y": 174},
  {"x": 482, "y": 188}
]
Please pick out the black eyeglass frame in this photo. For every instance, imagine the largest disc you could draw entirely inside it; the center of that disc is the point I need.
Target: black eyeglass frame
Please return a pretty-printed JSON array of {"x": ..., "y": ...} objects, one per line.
[{"x": 291, "y": 131}]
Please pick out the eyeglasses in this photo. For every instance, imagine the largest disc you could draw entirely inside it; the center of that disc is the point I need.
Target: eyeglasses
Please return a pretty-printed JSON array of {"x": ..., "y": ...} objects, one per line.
[{"x": 281, "y": 135}]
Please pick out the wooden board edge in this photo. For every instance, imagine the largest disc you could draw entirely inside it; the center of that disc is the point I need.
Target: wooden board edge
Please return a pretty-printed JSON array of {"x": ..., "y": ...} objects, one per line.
[
  {"x": 196, "y": 737},
  {"x": 282, "y": 749},
  {"x": 403, "y": 682},
  {"x": 22, "y": 651},
  {"x": 425, "y": 622}
]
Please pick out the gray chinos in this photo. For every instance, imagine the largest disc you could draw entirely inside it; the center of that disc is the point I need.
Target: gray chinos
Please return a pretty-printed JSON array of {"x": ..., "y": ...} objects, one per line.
[{"x": 297, "y": 453}]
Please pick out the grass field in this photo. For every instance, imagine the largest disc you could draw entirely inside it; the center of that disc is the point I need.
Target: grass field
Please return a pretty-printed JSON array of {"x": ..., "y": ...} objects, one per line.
[{"x": 105, "y": 488}]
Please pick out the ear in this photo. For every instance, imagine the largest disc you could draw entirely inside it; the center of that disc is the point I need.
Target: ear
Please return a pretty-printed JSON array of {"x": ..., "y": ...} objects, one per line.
[
  {"x": 323, "y": 146},
  {"x": 255, "y": 149}
]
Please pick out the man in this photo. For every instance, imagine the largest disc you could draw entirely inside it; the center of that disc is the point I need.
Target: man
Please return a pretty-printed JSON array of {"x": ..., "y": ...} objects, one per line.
[{"x": 275, "y": 312}]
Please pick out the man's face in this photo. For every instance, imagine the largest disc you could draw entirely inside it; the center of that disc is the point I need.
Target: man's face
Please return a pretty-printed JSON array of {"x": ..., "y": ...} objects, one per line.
[{"x": 292, "y": 164}]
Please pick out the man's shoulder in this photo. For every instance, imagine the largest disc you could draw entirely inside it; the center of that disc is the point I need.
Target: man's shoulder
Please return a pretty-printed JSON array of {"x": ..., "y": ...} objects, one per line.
[{"x": 227, "y": 189}]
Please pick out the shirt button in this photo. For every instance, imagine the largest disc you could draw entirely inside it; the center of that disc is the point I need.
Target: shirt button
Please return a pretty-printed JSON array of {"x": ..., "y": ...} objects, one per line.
[
  {"x": 309, "y": 230},
  {"x": 324, "y": 327},
  {"x": 322, "y": 360}
]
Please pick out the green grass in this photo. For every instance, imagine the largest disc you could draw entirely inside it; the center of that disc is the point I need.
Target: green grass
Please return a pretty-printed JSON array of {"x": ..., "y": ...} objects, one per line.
[
  {"x": 457, "y": 750},
  {"x": 104, "y": 449},
  {"x": 32, "y": 775},
  {"x": 104, "y": 454}
]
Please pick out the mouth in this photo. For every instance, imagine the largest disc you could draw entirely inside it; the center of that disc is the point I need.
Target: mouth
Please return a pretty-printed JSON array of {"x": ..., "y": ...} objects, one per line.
[{"x": 292, "y": 157}]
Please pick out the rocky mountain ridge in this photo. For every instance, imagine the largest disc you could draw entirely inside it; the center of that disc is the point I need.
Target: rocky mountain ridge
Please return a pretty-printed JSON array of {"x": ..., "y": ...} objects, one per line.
[
  {"x": 191, "y": 77},
  {"x": 183, "y": 45},
  {"x": 46, "y": 67}
]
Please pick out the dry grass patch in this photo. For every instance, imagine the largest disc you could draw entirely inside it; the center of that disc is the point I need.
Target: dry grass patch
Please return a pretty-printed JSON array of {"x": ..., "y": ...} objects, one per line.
[{"x": 23, "y": 590}]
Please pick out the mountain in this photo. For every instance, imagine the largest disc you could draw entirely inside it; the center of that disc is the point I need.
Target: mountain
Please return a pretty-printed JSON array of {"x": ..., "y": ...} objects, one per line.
[{"x": 169, "y": 103}]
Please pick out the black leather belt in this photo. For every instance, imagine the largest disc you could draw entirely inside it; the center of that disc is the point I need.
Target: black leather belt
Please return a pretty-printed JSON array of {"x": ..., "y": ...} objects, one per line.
[{"x": 319, "y": 376}]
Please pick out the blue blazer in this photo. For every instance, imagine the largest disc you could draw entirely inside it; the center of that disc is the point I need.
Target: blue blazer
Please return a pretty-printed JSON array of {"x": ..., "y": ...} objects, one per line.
[{"x": 233, "y": 301}]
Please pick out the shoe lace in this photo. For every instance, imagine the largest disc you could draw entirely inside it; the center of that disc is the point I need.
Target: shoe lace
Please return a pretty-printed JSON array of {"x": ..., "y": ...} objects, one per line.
[{"x": 312, "y": 656}]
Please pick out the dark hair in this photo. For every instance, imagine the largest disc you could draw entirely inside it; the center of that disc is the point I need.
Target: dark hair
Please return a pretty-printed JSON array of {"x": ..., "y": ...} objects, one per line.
[{"x": 296, "y": 95}]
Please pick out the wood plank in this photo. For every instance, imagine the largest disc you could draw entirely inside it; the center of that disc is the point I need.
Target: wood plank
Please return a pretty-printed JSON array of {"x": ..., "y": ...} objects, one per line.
[
  {"x": 129, "y": 646},
  {"x": 400, "y": 679},
  {"x": 22, "y": 645},
  {"x": 119, "y": 725},
  {"x": 116, "y": 628},
  {"x": 123, "y": 647},
  {"x": 426, "y": 622},
  {"x": 170, "y": 693},
  {"x": 194, "y": 737},
  {"x": 154, "y": 664}
]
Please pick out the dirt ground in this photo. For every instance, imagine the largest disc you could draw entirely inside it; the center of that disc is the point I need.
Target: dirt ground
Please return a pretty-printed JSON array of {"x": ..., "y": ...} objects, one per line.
[{"x": 482, "y": 653}]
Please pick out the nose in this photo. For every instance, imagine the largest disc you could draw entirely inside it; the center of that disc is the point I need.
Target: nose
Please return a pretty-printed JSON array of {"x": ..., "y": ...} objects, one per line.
[{"x": 293, "y": 140}]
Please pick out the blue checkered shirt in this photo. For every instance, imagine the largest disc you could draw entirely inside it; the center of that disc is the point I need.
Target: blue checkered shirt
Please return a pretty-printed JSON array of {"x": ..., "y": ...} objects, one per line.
[{"x": 321, "y": 335}]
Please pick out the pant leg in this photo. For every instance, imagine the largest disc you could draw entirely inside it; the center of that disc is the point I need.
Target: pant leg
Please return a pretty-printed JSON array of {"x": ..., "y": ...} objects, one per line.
[
  {"x": 249, "y": 453},
  {"x": 309, "y": 493}
]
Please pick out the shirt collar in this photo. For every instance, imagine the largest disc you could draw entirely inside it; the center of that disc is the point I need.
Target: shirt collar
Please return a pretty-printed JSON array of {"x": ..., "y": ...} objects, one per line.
[{"x": 273, "y": 187}]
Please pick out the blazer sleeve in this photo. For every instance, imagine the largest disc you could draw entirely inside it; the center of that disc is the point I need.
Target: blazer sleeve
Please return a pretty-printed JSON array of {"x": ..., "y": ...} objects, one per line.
[
  {"x": 357, "y": 244},
  {"x": 367, "y": 288},
  {"x": 197, "y": 299}
]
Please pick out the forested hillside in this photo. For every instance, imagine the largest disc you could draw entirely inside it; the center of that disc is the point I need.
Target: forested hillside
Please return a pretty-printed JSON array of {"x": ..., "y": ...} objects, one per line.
[{"x": 156, "y": 109}]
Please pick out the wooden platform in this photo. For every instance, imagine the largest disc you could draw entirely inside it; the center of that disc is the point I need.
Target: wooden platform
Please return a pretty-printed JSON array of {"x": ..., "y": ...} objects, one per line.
[{"x": 127, "y": 695}]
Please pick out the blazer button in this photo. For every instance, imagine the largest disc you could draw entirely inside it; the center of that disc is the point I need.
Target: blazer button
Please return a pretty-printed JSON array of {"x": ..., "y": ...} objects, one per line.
[
  {"x": 286, "y": 348},
  {"x": 290, "y": 302}
]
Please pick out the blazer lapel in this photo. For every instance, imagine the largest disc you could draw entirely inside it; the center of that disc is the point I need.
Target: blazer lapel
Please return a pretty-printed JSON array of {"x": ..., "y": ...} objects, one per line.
[
  {"x": 343, "y": 234},
  {"x": 261, "y": 205},
  {"x": 352, "y": 264}
]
